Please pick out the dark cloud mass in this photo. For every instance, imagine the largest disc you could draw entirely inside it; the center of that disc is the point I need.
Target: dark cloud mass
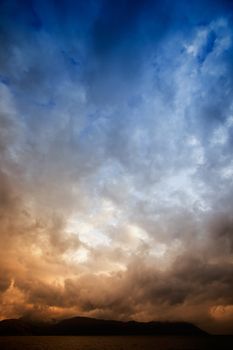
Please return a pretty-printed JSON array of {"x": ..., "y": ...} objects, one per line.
[{"x": 116, "y": 168}]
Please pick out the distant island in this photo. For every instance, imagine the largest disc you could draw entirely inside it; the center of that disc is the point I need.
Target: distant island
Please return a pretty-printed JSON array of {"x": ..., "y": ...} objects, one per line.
[{"x": 92, "y": 326}]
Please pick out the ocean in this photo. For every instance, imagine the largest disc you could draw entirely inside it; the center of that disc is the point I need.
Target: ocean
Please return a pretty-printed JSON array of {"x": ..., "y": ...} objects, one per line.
[{"x": 115, "y": 343}]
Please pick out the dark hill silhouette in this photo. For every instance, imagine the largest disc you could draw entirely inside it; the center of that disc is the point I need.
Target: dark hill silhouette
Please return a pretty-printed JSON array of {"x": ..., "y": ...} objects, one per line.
[
  {"x": 92, "y": 326},
  {"x": 16, "y": 327}
]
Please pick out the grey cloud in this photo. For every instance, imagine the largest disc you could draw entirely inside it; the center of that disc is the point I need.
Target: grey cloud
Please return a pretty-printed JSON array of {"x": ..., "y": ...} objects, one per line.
[{"x": 142, "y": 289}]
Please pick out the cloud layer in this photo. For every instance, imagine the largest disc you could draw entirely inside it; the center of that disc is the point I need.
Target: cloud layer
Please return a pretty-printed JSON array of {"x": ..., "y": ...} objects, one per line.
[{"x": 116, "y": 124}]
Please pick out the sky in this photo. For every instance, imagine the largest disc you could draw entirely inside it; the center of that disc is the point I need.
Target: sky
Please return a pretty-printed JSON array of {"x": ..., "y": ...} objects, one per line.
[{"x": 116, "y": 160}]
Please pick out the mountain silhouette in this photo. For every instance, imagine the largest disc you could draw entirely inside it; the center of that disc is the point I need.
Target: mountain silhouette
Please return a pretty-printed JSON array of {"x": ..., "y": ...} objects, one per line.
[{"x": 92, "y": 326}]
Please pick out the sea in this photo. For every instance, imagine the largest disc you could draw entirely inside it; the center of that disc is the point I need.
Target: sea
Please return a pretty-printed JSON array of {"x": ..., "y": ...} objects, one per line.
[{"x": 115, "y": 343}]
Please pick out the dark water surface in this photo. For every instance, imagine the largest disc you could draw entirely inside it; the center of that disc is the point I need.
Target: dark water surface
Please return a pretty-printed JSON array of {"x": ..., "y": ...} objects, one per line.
[{"x": 115, "y": 343}]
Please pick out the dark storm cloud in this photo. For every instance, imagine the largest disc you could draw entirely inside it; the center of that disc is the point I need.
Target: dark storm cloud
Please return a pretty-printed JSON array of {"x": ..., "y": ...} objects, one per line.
[
  {"x": 221, "y": 231},
  {"x": 124, "y": 295},
  {"x": 115, "y": 20}
]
